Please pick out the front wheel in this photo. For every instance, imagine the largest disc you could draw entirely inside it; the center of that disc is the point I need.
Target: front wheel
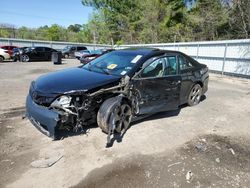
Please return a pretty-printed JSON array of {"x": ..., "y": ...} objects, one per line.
[
  {"x": 114, "y": 112},
  {"x": 25, "y": 58},
  {"x": 195, "y": 94}
]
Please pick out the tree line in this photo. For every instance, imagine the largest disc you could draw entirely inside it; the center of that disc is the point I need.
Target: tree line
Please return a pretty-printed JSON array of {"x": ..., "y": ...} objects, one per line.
[{"x": 150, "y": 21}]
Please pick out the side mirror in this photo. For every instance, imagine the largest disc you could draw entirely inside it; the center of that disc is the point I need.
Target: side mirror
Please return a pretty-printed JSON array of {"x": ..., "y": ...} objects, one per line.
[{"x": 34, "y": 51}]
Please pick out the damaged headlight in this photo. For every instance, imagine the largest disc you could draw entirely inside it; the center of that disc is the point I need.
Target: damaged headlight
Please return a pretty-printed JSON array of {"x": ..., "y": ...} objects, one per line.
[{"x": 61, "y": 102}]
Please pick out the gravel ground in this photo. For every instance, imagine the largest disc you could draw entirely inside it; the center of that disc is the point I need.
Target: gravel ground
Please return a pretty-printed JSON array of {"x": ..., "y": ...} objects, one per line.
[{"x": 204, "y": 146}]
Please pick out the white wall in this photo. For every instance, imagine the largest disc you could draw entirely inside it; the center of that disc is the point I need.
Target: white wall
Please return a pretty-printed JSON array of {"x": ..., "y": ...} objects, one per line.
[
  {"x": 228, "y": 56},
  {"x": 52, "y": 44}
]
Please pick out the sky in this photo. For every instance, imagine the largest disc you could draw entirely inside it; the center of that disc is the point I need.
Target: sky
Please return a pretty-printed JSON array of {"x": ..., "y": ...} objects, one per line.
[{"x": 35, "y": 13}]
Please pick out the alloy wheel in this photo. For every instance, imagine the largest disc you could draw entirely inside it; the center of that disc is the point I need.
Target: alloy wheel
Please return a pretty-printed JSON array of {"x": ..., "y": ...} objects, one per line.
[
  {"x": 25, "y": 58},
  {"x": 1, "y": 59},
  {"x": 121, "y": 117},
  {"x": 195, "y": 94}
]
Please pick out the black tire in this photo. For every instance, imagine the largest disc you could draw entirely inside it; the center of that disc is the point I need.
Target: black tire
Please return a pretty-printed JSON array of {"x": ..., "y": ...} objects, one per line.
[
  {"x": 66, "y": 56},
  {"x": 25, "y": 58},
  {"x": 1, "y": 58},
  {"x": 195, "y": 94},
  {"x": 108, "y": 113}
]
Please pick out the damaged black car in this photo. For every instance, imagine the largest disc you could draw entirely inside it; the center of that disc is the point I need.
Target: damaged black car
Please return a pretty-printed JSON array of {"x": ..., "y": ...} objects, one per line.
[{"x": 114, "y": 89}]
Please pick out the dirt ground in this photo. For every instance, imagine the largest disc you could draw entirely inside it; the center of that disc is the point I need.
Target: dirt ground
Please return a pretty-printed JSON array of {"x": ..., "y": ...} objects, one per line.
[{"x": 208, "y": 143}]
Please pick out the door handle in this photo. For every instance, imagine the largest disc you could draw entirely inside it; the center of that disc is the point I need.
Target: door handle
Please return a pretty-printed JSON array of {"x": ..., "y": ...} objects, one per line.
[{"x": 175, "y": 82}]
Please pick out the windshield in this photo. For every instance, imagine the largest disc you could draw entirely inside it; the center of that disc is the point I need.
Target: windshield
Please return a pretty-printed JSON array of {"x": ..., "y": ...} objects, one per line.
[
  {"x": 96, "y": 52},
  {"x": 114, "y": 63},
  {"x": 66, "y": 48},
  {"x": 28, "y": 49}
]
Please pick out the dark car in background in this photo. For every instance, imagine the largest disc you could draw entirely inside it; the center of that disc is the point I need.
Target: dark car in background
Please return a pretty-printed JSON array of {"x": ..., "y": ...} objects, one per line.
[
  {"x": 69, "y": 51},
  {"x": 9, "y": 48},
  {"x": 113, "y": 89},
  {"x": 93, "y": 54},
  {"x": 36, "y": 54}
]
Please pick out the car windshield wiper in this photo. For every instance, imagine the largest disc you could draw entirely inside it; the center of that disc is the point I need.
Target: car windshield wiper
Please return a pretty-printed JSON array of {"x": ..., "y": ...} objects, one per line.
[{"x": 89, "y": 66}]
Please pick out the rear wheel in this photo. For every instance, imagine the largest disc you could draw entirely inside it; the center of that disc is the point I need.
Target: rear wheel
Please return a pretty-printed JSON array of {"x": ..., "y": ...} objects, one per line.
[
  {"x": 1, "y": 58},
  {"x": 116, "y": 113},
  {"x": 195, "y": 94}
]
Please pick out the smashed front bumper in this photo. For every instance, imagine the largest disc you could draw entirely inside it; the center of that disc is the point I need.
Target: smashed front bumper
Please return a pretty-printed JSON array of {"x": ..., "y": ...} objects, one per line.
[{"x": 45, "y": 120}]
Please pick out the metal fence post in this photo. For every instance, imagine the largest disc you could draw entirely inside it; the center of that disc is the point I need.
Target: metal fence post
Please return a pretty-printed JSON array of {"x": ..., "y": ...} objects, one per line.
[
  {"x": 224, "y": 59},
  {"x": 197, "y": 54}
]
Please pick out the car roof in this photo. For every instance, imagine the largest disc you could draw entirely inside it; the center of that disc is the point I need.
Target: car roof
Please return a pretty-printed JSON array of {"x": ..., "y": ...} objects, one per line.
[
  {"x": 146, "y": 51},
  {"x": 142, "y": 51}
]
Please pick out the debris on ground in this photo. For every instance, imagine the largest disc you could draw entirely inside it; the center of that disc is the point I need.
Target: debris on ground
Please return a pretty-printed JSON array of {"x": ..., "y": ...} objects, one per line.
[
  {"x": 174, "y": 164},
  {"x": 189, "y": 176},
  {"x": 217, "y": 160},
  {"x": 232, "y": 151},
  {"x": 201, "y": 146},
  {"x": 46, "y": 162}
]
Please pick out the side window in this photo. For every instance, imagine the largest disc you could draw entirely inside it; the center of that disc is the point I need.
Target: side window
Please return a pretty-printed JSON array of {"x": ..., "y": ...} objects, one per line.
[
  {"x": 184, "y": 63},
  {"x": 163, "y": 66},
  {"x": 81, "y": 48},
  {"x": 39, "y": 49},
  {"x": 48, "y": 50},
  {"x": 5, "y": 47},
  {"x": 171, "y": 65}
]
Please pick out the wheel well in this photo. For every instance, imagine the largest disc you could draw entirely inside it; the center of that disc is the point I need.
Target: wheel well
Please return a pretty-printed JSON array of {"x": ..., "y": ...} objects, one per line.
[
  {"x": 2, "y": 57},
  {"x": 200, "y": 83}
]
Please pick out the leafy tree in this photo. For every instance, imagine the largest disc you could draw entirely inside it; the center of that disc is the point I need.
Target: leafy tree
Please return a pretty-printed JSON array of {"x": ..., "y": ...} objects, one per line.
[
  {"x": 209, "y": 20},
  {"x": 240, "y": 18},
  {"x": 53, "y": 32},
  {"x": 75, "y": 28},
  {"x": 148, "y": 21}
]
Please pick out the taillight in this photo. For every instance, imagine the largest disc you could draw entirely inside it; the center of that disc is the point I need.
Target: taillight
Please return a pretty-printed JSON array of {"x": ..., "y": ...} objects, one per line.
[{"x": 203, "y": 70}]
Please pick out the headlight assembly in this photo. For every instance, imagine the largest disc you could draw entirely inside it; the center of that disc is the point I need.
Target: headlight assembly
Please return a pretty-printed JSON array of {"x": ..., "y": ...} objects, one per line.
[{"x": 62, "y": 101}]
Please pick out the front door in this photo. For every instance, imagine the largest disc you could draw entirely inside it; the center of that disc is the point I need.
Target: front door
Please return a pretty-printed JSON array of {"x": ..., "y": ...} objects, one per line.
[
  {"x": 38, "y": 54},
  {"x": 158, "y": 86}
]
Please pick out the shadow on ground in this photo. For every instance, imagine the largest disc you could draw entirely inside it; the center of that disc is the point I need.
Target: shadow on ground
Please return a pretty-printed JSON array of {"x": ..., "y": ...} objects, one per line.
[
  {"x": 220, "y": 162},
  {"x": 118, "y": 137}
]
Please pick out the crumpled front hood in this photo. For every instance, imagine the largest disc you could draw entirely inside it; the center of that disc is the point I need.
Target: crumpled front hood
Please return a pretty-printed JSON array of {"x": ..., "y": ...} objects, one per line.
[{"x": 72, "y": 79}]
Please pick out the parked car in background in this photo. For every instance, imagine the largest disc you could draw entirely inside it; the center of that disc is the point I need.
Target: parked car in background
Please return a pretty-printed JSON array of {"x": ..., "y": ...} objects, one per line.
[
  {"x": 114, "y": 89},
  {"x": 4, "y": 55},
  {"x": 93, "y": 55},
  {"x": 37, "y": 54},
  {"x": 69, "y": 51},
  {"x": 17, "y": 52},
  {"x": 81, "y": 53},
  {"x": 9, "y": 48}
]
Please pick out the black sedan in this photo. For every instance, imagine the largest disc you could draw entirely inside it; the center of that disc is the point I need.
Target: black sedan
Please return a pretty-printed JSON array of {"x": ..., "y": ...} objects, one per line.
[
  {"x": 36, "y": 54},
  {"x": 114, "y": 89}
]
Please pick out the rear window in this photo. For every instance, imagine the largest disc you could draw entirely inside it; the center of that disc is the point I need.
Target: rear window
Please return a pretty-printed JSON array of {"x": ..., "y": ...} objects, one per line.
[{"x": 81, "y": 48}]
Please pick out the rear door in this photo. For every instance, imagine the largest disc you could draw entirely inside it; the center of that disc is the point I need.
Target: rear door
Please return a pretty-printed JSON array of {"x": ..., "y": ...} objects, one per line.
[
  {"x": 39, "y": 53},
  {"x": 157, "y": 86},
  {"x": 187, "y": 73},
  {"x": 48, "y": 53}
]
